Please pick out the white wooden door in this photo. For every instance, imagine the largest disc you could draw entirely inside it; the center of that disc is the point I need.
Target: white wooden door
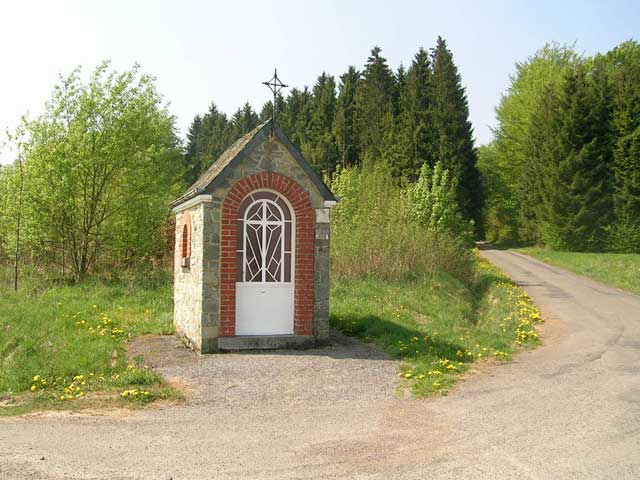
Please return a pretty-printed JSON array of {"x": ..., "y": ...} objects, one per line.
[{"x": 264, "y": 290}]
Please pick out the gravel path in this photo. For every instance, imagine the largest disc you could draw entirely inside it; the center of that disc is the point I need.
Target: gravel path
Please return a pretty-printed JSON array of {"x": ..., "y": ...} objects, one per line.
[
  {"x": 569, "y": 409},
  {"x": 344, "y": 371}
]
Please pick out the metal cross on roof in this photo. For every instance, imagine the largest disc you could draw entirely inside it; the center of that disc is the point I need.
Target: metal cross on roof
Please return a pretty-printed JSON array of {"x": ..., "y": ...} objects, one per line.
[{"x": 275, "y": 85}]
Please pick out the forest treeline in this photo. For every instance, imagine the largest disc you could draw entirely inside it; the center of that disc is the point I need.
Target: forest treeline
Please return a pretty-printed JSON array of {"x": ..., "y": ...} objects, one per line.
[
  {"x": 404, "y": 118},
  {"x": 94, "y": 174},
  {"x": 564, "y": 167}
]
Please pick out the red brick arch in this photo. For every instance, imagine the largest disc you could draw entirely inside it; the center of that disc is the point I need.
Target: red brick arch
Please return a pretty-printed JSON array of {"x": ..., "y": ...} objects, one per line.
[{"x": 303, "y": 286}]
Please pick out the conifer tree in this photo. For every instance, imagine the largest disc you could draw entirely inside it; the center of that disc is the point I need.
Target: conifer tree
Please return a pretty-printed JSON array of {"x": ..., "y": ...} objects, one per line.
[
  {"x": 416, "y": 136},
  {"x": 575, "y": 171},
  {"x": 321, "y": 148},
  {"x": 208, "y": 137},
  {"x": 624, "y": 70},
  {"x": 454, "y": 142},
  {"x": 393, "y": 151},
  {"x": 244, "y": 120},
  {"x": 401, "y": 77},
  {"x": 323, "y": 104},
  {"x": 296, "y": 117},
  {"x": 190, "y": 160},
  {"x": 344, "y": 125},
  {"x": 267, "y": 111},
  {"x": 374, "y": 101}
]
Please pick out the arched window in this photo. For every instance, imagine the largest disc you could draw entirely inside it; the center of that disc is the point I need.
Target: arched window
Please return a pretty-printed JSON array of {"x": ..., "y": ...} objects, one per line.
[
  {"x": 185, "y": 238},
  {"x": 185, "y": 241},
  {"x": 265, "y": 238}
]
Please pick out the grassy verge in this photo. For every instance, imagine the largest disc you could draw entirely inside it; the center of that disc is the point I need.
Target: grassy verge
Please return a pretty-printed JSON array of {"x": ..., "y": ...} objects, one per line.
[
  {"x": 438, "y": 326},
  {"x": 617, "y": 269},
  {"x": 63, "y": 347}
]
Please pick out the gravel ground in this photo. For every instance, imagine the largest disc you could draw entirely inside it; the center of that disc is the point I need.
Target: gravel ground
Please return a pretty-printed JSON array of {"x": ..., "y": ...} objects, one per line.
[
  {"x": 344, "y": 371},
  {"x": 569, "y": 409}
]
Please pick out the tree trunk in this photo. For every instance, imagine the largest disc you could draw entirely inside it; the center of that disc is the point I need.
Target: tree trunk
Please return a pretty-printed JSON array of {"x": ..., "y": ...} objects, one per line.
[{"x": 18, "y": 219}]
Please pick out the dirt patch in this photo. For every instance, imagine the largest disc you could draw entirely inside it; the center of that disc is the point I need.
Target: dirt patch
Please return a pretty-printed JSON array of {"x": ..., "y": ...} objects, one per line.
[{"x": 160, "y": 351}]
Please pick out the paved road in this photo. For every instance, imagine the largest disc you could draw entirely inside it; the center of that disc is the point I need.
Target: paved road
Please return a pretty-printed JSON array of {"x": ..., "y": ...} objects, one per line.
[{"x": 569, "y": 409}]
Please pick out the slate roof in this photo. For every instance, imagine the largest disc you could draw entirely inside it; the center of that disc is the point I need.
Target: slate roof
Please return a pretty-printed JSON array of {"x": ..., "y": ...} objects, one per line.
[{"x": 242, "y": 147}]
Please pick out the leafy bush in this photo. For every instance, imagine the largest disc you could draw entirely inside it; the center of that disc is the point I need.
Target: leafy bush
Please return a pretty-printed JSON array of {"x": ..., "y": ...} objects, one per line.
[
  {"x": 377, "y": 228},
  {"x": 434, "y": 206}
]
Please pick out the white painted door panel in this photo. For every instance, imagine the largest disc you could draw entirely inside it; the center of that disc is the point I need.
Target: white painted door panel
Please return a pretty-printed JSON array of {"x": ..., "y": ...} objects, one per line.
[
  {"x": 264, "y": 290},
  {"x": 264, "y": 308}
]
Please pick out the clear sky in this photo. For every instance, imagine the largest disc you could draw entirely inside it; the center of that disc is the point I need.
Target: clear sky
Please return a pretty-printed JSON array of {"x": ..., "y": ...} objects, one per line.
[{"x": 204, "y": 50}]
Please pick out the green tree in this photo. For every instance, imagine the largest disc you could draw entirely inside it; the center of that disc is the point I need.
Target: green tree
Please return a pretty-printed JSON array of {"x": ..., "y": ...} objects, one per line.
[
  {"x": 623, "y": 65},
  {"x": 575, "y": 150},
  {"x": 374, "y": 100},
  {"x": 320, "y": 149},
  {"x": 344, "y": 126},
  {"x": 454, "y": 141},
  {"x": 296, "y": 117},
  {"x": 102, "y": 163},
  {"x": 500, "y": 215},
  {"x": 417, "y": 137},
  {"x": 267, "y": 111},
  {"x": 191, "y": 159},
  {"x": 511, "y": 153},
  {"x": 244, "y": 120},
  {"x": 208, "y": 137}
]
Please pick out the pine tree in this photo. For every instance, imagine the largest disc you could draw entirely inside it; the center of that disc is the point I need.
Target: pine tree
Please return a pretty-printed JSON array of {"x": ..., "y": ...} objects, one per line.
[
  {"x": 454, "y": 142},
  {"x": 244, "y": 120},
  {"x": 321, "y": 148},
  {"x": 415, "y": 123},
  {"x": 216, "y": 135},
  {"x": 267, "y": 110},
  {"x": 208, "y": 137},
  {"x": 296, "y": 116},
  {"x": 399, "y": 86},
  {"x": 576, "y": 169},
  {"x": 374, "y": 100},
  {"x": 624, "y": 71},
  {"x": 344, "y": 128},
  {"x": 190, "y": 160},
  {"x": 393, "y": 151}
]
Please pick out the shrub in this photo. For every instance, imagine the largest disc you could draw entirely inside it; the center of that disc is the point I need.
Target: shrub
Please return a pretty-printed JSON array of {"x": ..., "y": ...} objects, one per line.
[
  {"x": 375, "y": 231},
  {"x": 624, "y": 236},
  {"x": 433, "y": 204}
]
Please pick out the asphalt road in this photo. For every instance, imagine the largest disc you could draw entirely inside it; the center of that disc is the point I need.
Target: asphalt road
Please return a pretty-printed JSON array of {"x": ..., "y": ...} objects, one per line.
[{"x": 569, "y": 409}]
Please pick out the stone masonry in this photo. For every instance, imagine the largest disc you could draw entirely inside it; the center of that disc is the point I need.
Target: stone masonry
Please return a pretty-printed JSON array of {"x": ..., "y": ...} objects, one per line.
[{"x": 198, "y": 286}]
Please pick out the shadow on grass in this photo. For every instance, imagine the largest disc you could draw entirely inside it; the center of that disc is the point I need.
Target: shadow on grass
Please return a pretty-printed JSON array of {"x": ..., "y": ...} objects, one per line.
[
  {"x": 479, "y": 291},
  {"x": 393, "y": 336}
]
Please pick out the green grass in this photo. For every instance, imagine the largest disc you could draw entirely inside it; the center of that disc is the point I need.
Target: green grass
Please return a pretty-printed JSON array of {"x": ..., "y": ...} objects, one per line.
[
  {"x": 618, "y": 269},
  {"x": 438, "y": 326},
  {"x": 64, "y": 346}
]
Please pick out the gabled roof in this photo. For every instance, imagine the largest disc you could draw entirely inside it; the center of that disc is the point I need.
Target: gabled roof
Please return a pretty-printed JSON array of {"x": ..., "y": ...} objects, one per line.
[{"x": 239, "y": 150}]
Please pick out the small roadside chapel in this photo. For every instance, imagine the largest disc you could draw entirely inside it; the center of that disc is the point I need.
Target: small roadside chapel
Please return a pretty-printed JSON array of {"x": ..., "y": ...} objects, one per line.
[{"x": 252, "y": 248}]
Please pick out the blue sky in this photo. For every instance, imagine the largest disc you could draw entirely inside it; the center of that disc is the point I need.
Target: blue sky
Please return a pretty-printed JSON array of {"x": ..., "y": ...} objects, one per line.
[{"x": 203, "y": 51}]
